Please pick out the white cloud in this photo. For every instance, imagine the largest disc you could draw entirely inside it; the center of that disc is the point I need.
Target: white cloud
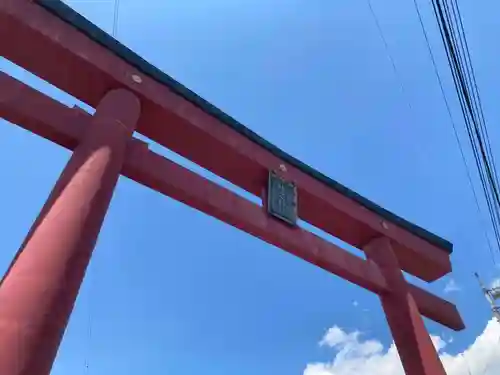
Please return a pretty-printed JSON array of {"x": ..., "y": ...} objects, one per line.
[
  {"x": 495, "y": 283},
  {"x": 356, "y": 356},
  {"x": 452, "y": 286}
]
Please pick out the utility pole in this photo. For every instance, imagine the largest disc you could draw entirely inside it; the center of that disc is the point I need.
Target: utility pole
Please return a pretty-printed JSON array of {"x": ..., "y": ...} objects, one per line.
[{"x": 492, "y": 295}]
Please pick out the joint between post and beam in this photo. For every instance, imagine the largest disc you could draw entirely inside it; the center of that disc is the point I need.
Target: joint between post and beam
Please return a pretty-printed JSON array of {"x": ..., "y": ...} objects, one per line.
[{"x": 38, "y": 292}]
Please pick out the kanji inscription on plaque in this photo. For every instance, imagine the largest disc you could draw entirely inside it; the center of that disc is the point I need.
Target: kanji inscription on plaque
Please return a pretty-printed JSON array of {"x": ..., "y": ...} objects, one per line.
[{"x": 282, "y": 199}]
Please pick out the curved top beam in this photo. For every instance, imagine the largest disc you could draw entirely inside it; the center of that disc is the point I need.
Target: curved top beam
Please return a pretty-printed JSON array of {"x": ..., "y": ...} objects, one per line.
[
  {"x": 68, "y": 51},
  {"x": 65, "y": 12}
]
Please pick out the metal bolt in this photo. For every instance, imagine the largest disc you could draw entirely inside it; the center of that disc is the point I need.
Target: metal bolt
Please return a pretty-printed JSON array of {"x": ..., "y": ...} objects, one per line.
[
  {"x": 385, "y": 225},
  {"x": 136, "y": 78},
  {"x": 283, "y": 167}
]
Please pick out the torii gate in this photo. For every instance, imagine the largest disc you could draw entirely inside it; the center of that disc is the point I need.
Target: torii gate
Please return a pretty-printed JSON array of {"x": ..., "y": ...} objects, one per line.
[{"x": 37, "y": 294}]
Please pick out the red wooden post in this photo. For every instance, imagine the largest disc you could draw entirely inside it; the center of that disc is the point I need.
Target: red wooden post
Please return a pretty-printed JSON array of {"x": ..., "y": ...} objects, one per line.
[
  {"x": 415, "y": 348},
  {"x": 38, "y": 293}
]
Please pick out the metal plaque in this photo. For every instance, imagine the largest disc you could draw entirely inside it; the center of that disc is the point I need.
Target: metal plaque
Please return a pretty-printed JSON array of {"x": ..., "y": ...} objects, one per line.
[{"x": 282, "y": 199}]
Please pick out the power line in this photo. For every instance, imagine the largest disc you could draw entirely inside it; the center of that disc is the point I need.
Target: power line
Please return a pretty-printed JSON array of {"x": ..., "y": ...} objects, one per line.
[
  {"x": 472, "y": 78},
  {"x": 115, "y": 18},
  {"x": 462, "y": 86},
  {"x": 452, "y": 33},
  {"x": 458, "y": 55},
  {"x": 389, "y": 54},
  {"x": 455, "y": 131}
]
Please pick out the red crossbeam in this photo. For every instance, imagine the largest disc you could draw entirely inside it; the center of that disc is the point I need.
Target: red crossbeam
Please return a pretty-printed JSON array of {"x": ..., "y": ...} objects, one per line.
[
  {"x": 59, "y": 53},
  {"x": 52, "y": 120}
]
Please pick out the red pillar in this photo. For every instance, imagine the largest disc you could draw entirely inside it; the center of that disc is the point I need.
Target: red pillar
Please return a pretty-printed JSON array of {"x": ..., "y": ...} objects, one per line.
[
  {"x": 38, "y": 292},
  {"x": 415, "y": 348}
]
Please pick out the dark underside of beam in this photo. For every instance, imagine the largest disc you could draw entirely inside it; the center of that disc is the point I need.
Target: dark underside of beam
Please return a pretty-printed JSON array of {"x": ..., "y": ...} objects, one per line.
[{"x": 70, "y": 16}]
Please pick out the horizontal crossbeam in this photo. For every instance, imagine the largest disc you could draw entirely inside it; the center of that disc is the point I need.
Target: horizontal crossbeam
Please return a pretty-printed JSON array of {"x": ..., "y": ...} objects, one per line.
[
  {"x": 58, "y": 52},
  {"x": 48, "y": 118}
]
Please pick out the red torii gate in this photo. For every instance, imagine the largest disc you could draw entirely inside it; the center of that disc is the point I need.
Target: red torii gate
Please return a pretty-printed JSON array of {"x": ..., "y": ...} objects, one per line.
[{"x": 37, "y": 293}]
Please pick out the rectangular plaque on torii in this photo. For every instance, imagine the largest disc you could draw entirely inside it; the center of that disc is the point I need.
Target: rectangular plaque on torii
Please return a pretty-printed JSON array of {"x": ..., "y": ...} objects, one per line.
[{"x": 282, "y": 198}]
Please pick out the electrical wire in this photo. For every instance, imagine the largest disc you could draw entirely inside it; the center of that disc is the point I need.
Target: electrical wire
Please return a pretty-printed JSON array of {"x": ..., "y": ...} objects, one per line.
[
  {"x": 458, "y": 18},
  {"x": 457, "y": 51},
  {"x": 468, "y": 117},
  {"x": 453, "y": 36},
  {"x": 389, "y": 54},
  {"x": 472, "y": 82},
  {"x": 115, "y": 18},
  {"x": 455, "y": 131}
]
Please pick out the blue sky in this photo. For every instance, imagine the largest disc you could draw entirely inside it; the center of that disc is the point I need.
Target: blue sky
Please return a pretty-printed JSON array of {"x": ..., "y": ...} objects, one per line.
[{"x": 170, "y": 290}]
